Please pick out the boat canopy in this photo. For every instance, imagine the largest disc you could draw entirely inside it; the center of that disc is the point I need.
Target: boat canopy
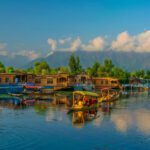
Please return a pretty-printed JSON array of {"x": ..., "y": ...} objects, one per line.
[{"x": 84, "y": 93}]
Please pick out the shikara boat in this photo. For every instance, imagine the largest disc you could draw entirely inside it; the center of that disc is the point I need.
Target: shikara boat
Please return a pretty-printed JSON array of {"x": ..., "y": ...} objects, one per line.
[
  {"x": 108, "y": 94},
  {"x": 84, "y": 100}
]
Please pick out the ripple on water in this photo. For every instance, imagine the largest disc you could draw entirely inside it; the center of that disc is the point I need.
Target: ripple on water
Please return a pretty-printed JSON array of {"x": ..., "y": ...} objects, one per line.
[{"x": 19, "y": 138}]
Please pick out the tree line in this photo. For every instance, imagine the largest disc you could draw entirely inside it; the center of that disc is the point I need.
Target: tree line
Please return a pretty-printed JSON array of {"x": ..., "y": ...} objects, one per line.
[{"x": 106, "y": 69}]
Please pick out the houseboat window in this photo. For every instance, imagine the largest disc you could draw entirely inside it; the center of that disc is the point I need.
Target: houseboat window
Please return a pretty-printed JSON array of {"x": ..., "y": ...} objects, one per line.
[
  {"x": 7, "y": 80},
  {"x": 49, "y": 81},
  {"x": 62, "y": 79},
  {"x": 106, "y": 81},
  {"x": 114, "y": 82},
  {"x": 102, "y": 82},
  {"x": 37, "y": 81}
]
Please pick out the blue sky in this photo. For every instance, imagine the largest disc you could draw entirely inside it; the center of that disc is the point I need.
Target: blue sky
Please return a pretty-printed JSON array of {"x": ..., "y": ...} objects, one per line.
[{"x": 28, "y": 24}]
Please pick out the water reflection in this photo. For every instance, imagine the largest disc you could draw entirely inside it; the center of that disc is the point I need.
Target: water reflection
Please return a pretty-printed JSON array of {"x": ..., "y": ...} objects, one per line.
[
  {"x": 132, "y": 111},
  {"x": 124, "y": 120},
  {"x": 79, "y": 118}
]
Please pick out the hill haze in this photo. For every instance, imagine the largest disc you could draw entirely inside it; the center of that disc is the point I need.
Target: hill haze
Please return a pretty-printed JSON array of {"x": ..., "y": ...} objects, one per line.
[{"x": 128, "y": 60}]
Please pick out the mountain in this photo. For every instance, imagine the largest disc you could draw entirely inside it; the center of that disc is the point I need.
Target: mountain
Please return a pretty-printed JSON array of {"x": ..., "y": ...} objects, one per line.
[
  {"x": 127, "y": 60},
  {"x": 17, "y": 60}
]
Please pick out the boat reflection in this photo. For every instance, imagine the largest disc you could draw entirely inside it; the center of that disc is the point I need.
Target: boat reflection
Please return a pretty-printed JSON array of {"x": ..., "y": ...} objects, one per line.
[
  {"x": 11, "y": 103},
  {"x": 106, "y": 107},
  {"x": 79, "y": 118}
]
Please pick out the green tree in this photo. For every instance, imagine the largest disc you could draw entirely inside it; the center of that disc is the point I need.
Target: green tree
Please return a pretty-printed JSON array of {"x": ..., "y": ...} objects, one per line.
[
  {"x": 94, "y": 69},
  {"x": 147, "y": 75},
  {"x": 138, "y": 74},
  {"x": 41, "y": 67},
  {"x": 78, "y": 65},
  {"x": 108, "y": 65},
  {"x": 74, "y": 65},
  {"x": 9, "y": 69},
  {"x": 63, "y": 69},
  {"x": 30, "y": 70},
  {"x": 2, "y": 67}
]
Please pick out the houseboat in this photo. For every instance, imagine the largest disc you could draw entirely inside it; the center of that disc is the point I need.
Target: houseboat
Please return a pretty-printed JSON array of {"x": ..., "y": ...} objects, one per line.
[
  {"x": 81, "y": 82},
  {"x": 101, "y": 83},
  {"x": 12, "y": 82},
  {"x": 56, "y": 82}
]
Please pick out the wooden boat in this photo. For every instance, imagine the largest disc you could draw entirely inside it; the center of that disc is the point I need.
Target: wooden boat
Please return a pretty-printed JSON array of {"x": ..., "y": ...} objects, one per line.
[
  {"x": 15, "y": 94},
  {"x": 84, "y": 100},
  {"x": 32, "y": 87},
  {"x": 28, "y": 102},
  {"x": 108, "y": 94},
  {"x": 79, "y": 118}
]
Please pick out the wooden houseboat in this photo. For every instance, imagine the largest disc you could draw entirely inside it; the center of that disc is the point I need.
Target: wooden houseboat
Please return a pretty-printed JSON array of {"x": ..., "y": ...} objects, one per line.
[
  {"x": 58, "y": 81},
  {"x": 101, "y": 83},
  {"x": 81, "y": 82}
]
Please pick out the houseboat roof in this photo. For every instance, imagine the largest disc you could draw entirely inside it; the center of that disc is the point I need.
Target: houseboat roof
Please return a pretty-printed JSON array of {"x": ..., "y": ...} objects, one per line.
[
  {"x": 86, "y": 93},
  {"x": 105, "y": 78}
]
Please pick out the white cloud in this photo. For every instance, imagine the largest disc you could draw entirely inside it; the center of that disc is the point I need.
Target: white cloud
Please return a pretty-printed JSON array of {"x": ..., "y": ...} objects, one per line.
[
  {"x": 127, "y": 42},
  {"x": 96, "y": 44},
  {"x": 75, "y": 44},
  {"x": 30, "y": 54},
  {"x": 52, "y": 43},
  {"x": 3, "y": 46},
  {"x": 65, "y": 40}
]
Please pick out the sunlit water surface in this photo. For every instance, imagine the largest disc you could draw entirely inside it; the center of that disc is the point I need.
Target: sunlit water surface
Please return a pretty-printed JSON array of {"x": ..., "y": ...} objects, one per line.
[{"x": 124, "y": 127}]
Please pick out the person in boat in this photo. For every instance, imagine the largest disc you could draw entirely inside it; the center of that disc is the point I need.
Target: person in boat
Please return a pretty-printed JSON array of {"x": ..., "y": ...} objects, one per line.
[
  {"x": 86, "y": 101},
  {"x": 80, "y": 101}
]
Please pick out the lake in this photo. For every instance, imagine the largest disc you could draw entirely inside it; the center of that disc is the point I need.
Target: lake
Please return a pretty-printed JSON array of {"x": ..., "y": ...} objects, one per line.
[{"x": 121, "y": 125}]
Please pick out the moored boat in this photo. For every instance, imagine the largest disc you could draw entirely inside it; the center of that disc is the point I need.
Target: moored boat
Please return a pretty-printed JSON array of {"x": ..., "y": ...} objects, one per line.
[
  {"x": 108, "y": 94},
  {"x": 11, "y": 88},
  {"x": 84, "y": 100},
  {"x": 28, "y": 102}
]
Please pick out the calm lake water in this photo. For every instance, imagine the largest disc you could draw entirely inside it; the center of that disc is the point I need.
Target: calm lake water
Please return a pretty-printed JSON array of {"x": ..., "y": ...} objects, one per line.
[{"x": 123, "y": 125}]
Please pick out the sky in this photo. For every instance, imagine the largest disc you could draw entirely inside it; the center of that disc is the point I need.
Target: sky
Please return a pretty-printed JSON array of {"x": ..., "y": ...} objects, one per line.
[{"x": 38, "y": 27}]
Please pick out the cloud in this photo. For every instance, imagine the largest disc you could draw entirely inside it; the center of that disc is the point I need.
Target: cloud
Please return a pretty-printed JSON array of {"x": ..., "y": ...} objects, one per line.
[
  {"x": 30, "y": 54},
  {"x": 52, "y": 43},
  {"x": 96, "y": 44},
  {"x": 3, "y": 46},
  {"x": 67, "y": 44},
  {"x": 65, "y": 40},
  {"x": 127, "y": 42},
  {"x": 75, "y": 45}
]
